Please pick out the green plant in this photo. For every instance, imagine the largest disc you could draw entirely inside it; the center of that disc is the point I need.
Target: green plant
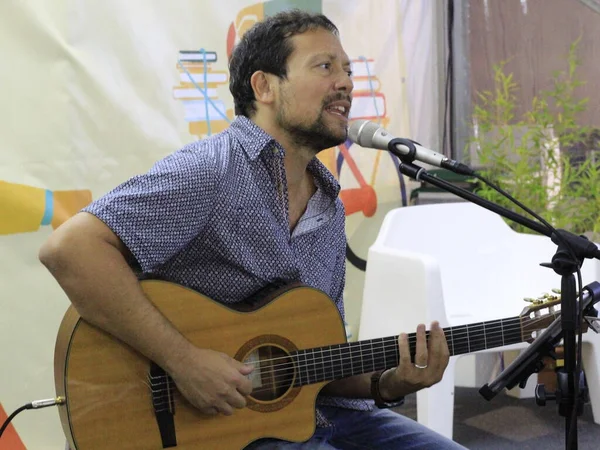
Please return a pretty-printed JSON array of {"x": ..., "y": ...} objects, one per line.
[{"x": 531, "y": 157}]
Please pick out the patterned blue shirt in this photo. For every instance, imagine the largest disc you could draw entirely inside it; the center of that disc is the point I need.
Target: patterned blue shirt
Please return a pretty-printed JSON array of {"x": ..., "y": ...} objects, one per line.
[{"x": 213, "y": 216}]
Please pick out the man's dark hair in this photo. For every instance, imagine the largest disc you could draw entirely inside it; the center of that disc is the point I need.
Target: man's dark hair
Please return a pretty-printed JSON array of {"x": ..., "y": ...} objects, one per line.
[{"x": 266, "y": 46}]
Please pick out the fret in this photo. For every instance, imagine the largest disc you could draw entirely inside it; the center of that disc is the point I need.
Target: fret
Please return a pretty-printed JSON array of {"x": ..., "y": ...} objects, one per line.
[
  {"x": 313, "y": 364},
  {"x": 346, "y": 361},
  {"x": 468, "y": 339},
  {"x": 461, "y": 340},
  {"x": 392, "y": 357},
  {"x": 356, "y": 357},
  {"x": 512, "y": 331},
  {"x": 484, "y": 336},
  {"x": 378, "y": 353},
  {"x": 297, "y": 368},
  {"x": 323, "y": 365},
  {"x": 494, "y": 334},
  {"x": 318, "y": 365},
  {"x": 372, "y": 366},
  {"x": 305, "y": 366},
  {"x": 452, "y": 352},
  {"x": 476, "y": 337},
  {"x": 330, "y": 373},
  {"x": 362, "y": 362},
  {"x": 324, "y": 362},
  {"x": 336, "y": 362}
]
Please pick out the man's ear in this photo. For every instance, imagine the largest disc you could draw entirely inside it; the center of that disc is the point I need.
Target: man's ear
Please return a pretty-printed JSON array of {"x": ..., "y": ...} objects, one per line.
[{"x": 263, "y": 85}]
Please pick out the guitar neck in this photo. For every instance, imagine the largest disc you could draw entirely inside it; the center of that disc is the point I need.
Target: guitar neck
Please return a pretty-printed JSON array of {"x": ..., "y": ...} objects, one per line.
[{"x": 354, "y": 358}]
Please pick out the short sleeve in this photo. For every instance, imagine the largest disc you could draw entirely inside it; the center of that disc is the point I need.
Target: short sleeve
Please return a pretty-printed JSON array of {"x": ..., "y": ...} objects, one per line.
[{"x": 158, "y": 213}]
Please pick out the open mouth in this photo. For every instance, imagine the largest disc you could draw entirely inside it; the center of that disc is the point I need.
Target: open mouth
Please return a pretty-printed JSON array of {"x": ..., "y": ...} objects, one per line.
[{"x": 340, "y": 109}]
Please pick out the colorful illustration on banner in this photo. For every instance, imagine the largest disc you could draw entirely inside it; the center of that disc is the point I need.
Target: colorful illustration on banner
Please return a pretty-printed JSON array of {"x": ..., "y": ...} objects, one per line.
[
  {"x": 25, "y": 209},
  {"x": 206, "y": 113}
]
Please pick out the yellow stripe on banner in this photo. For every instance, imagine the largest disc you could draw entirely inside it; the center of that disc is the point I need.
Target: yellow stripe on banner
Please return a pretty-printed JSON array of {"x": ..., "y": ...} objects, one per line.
[{"x": 21, "y": 208}]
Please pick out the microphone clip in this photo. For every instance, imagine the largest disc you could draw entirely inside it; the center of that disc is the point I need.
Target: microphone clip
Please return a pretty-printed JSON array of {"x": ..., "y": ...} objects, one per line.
[{"x": 412, "y": 150}]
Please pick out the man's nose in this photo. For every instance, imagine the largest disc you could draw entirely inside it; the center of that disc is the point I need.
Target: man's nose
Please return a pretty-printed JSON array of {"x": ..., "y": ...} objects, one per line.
[{"x": 344, "y": 83}]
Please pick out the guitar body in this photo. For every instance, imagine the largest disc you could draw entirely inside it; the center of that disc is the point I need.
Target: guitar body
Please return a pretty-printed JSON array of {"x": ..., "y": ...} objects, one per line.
[{"x": 109, "y": 403}]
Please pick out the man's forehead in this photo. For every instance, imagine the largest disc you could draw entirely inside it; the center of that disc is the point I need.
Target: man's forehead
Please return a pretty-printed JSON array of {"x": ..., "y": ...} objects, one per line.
[{"x": 315, "y": 44}]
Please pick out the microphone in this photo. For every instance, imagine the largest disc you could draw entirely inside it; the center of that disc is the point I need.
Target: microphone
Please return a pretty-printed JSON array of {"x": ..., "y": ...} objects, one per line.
[{"x": 369, "y": 134}]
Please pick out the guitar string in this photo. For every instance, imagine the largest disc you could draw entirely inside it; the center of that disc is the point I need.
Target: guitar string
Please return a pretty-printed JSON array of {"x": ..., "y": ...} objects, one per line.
[
  {"x": 293, "y": 364},
  {"x": 490, "y": 334},
  {"x": 293, "y": 368}
]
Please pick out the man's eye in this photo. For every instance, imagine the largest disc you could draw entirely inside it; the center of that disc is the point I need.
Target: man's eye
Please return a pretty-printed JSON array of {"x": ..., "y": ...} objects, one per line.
[
  {"x": 349, "y": 72},
  {"x": 325, "y": 65}
]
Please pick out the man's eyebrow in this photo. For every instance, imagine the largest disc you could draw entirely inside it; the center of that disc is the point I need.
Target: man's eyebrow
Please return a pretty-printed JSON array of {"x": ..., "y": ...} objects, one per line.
[{"x": 329, "y": 56}]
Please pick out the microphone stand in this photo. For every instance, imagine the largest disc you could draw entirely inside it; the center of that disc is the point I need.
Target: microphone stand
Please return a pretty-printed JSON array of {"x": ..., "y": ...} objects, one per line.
[{"x": 565, "y": 327}]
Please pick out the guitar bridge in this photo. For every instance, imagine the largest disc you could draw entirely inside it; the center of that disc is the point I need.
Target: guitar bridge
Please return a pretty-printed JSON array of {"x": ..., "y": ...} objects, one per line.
[{"x": 162, "y": 387}]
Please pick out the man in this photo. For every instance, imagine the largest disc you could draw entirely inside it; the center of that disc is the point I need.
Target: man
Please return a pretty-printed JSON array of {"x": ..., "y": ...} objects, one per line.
[{"x": 238, "y": 211}]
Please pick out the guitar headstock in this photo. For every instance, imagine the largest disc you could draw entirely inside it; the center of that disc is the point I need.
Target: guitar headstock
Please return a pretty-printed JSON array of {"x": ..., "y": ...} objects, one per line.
[{"x": 541, "y": 312}]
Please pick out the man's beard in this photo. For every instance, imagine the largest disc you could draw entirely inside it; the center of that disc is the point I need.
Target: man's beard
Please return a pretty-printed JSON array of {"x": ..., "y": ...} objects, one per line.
[{"x": 316, "y": 136}]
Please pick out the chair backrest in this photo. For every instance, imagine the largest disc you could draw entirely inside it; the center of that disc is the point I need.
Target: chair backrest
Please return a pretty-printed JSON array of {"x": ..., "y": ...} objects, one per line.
[{"x": 486, "y": 268}]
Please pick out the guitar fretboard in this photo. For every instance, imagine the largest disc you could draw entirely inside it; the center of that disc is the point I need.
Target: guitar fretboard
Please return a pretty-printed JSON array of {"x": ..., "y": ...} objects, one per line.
[{"x": 354, "y": 358}]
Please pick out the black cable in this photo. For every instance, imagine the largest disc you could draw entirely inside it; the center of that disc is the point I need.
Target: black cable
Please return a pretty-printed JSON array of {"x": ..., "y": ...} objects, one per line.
[
  {"x": 37, "y": 404},
  {"x": 12, "y": 416},
  {"x": 580, "y": 306}
]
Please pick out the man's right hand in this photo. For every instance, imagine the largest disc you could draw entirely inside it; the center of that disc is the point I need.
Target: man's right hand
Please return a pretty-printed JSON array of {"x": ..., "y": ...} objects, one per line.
[{"x": 213, "y": 382}]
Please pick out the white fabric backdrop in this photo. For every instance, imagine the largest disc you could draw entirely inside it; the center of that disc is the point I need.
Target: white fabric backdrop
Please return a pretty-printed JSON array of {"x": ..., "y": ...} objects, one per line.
[{"x": 88, "y": 92}]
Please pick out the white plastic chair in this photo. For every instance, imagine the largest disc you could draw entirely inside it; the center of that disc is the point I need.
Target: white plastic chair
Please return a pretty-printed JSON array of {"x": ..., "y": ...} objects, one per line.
[{"x": 458, "y": 263}]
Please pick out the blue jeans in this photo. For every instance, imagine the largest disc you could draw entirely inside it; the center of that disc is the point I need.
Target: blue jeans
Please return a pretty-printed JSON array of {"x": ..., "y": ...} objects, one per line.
[{"x": 380, "y": 429}]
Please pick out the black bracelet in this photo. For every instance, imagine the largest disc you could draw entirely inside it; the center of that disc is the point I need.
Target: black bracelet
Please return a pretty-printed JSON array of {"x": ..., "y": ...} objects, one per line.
[{"x": 376, "y": 394}]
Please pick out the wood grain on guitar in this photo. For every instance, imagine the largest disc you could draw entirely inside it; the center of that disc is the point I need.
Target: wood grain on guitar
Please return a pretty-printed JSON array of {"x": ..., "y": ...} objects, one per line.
[{"x": 116, "y": 398}]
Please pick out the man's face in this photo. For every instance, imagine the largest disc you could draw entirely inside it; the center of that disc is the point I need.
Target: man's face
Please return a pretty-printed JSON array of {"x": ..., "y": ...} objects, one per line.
[{"x": 314, "y": 101}]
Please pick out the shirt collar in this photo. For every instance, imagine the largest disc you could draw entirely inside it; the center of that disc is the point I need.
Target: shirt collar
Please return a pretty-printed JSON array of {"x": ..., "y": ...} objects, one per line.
[
  {"x": 324, "y": 178},
  {"x": 254, "y": 140},
  {"x": 252, "y": 137}
]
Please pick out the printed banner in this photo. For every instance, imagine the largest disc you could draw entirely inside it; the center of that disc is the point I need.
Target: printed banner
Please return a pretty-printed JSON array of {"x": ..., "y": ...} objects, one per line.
[{"x": 95, "y": 92}]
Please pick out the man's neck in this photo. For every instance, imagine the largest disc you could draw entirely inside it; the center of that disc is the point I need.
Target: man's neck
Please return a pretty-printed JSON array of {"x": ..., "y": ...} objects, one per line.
[{"x": 296, "y": 158}]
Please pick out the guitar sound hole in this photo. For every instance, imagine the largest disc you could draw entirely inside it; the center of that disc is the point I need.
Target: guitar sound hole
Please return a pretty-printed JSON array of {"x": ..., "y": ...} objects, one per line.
[{"x": 273, "y": 374}]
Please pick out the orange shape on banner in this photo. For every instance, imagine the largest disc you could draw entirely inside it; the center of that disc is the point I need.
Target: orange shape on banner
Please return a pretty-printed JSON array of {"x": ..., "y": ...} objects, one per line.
[{"x": 10, "y": 439}]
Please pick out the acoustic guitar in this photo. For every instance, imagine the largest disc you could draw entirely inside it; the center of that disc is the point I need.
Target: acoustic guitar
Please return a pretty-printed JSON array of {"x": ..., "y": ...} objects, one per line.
[{"x": 115, "y": 398}]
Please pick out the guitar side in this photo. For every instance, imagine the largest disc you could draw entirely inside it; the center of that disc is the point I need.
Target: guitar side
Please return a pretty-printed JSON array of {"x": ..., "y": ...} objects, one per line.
[{"x": 105, "y": 382}]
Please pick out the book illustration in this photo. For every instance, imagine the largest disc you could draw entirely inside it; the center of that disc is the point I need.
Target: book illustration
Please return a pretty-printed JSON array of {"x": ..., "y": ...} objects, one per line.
[
  {"x": 185, "y": 93},
  {"x": 369, "y": 106},
  {"x": 198, "y": 92},
  {"x": 194, "y": 77},
  {"x": 25, "y": 209},
  {"x": 366, "y": 84},
  {"x": 196, "y": 55},
  {"x": 203, "y": 110}
]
